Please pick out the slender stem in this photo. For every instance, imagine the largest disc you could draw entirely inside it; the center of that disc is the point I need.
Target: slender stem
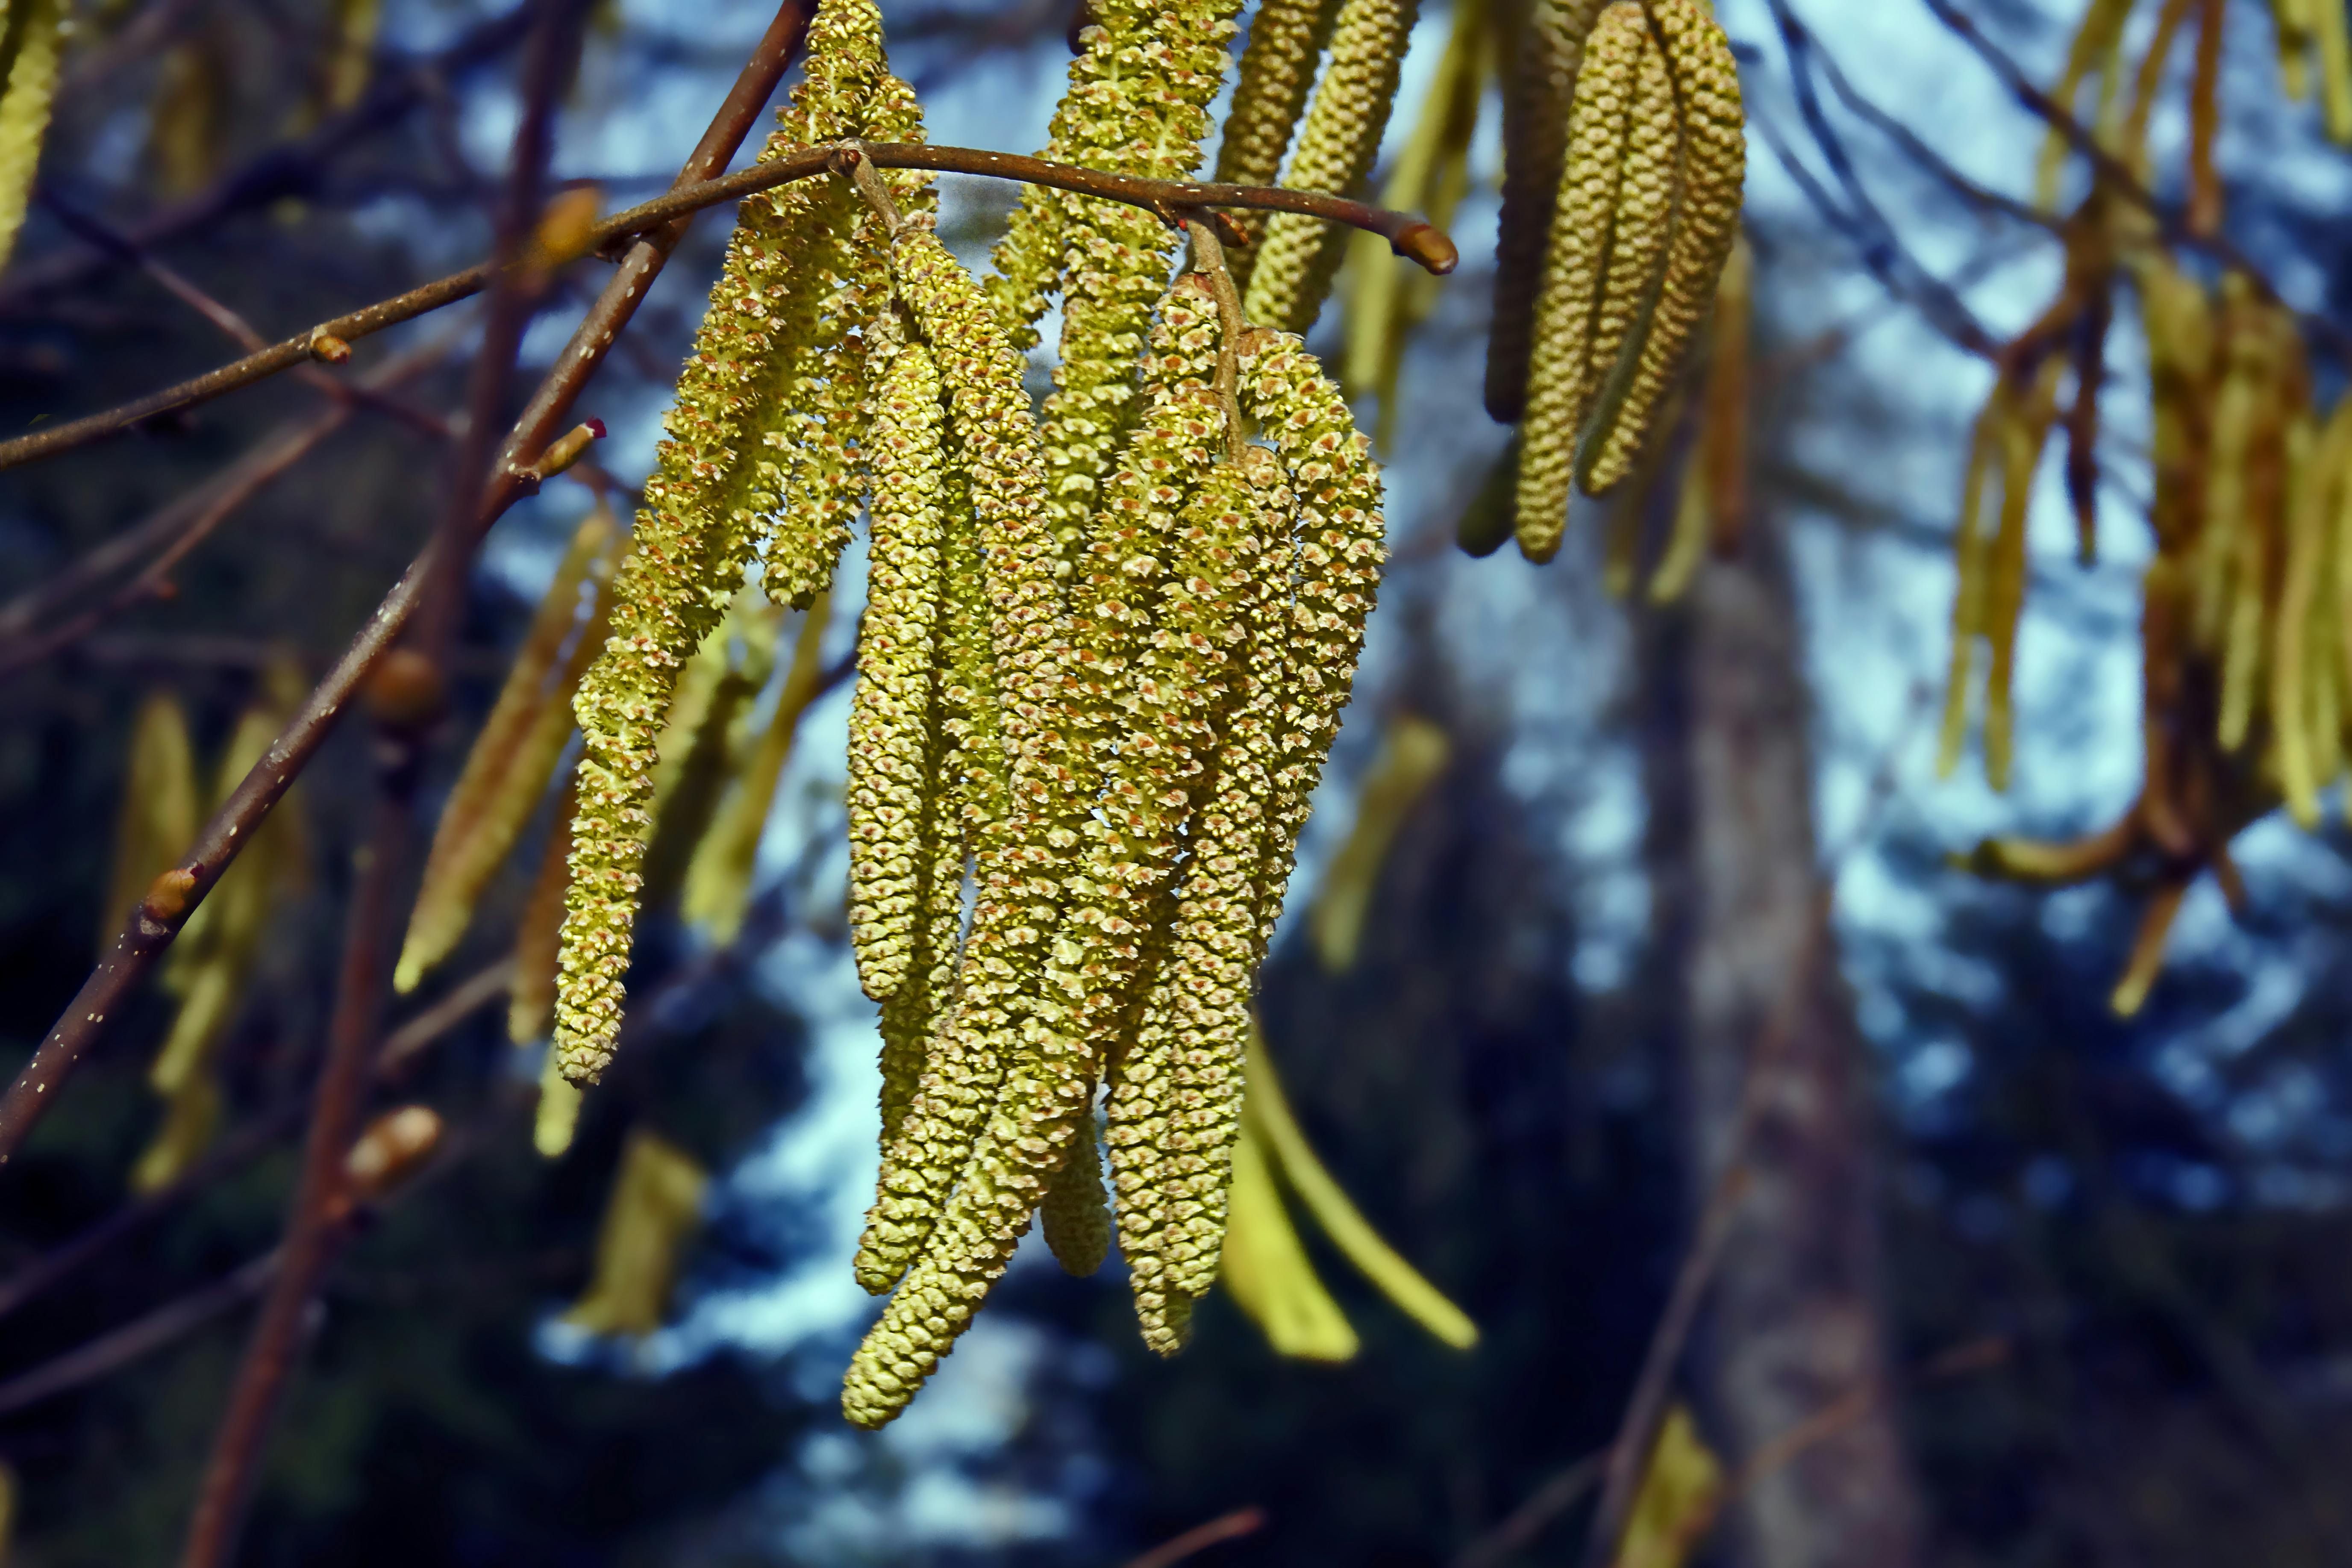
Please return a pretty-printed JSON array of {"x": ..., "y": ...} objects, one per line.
[
  {"x": 1209, "y": 261},
  {"x": 151, "y": 929},
  {"x": 1408, "y": 235}
]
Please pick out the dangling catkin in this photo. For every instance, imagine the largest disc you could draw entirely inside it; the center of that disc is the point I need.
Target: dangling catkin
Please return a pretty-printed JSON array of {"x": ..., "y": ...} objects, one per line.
[
  {"x": 1277, "y": 71},
  {"x": 1541, "y": 85},
  {"x": 891, "y": 743},
  {"x": 1710, "y": 175},
  {"x": 480, "y": 819},
  {"x": 1561, "y": 376},
  {"x": 986, "y": 1113},
  {"x": 696, "y": 529},
  {"x": 1299, "y": 255}
]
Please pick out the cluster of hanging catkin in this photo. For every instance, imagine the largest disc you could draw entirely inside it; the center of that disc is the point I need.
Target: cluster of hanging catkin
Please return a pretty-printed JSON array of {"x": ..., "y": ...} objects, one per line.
[
  {"x": 1103, "y": 656},
  {"x": 2246, "y": 628},
  {"x": 1625, "y": 161}
]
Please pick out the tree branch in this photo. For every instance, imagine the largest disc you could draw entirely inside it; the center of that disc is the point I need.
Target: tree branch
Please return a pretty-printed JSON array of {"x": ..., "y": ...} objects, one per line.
[{"x": 1409, "y": 236}]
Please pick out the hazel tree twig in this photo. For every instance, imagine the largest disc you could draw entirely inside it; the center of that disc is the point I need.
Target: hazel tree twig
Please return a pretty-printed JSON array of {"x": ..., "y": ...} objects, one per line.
[{"x": 1408, "y": 236}]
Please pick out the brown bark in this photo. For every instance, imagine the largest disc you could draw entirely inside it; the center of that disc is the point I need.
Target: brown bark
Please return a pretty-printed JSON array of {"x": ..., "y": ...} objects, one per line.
[{"x": 1747, "y": 966}]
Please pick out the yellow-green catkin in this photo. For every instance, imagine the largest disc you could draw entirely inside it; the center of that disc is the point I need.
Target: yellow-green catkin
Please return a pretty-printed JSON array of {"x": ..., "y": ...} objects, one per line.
[
  {"x": 1017, "y": 874},
  {"x": 1339, "y": 551},
  {"x": 1169, "y": 1154},
  {"x": 1136, "y": 103},
  {"x": 1341, "y": 546},
  {"x": 1168, "y": 61},
  {"x": 1709, "y": 178},
  {"x": 1299, "y": 255},
  {"x": 32, "y": 40},
  {"x": 1075, "y": 1216},
  {"x": 891, "y": 744},
  {"x": 1539, "y": 90},
  {"x": 495, "y": 790},
  {"x": 1561, "y": 379},
  {"x": 964, "y": 801},
  {"x": 704, "y": 505},
  {"x": 1277, "y": 69}
]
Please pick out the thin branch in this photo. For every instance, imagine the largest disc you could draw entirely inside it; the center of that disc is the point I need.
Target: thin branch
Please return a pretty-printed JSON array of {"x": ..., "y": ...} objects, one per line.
[
  {"x": 1408, "y": 236},
  {"x": 177, "y": 528},
  {"x": 157, "y": 920},
  {"x": 291, "y": 168},
  {"x": 1523, "y": 1525},
  {"x": 1200, "y": 1537},
  {"x": 95, "y": 1359}
]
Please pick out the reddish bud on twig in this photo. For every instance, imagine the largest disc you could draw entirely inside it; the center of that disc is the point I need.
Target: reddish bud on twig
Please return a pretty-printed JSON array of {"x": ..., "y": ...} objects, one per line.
[
  {"x": 328, "y": 348},
  {"x": 167, "y": 895}
]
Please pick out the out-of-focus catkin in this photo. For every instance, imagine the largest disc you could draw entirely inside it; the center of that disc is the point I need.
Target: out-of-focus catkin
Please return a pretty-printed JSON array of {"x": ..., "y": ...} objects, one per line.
[{"x": 1296, "y": 260}]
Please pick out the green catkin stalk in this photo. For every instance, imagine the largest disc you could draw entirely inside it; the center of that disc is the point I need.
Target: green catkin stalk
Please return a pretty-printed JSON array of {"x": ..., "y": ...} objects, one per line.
[
  {"x": 1384, "y": 302},
  {"x": 32, "y": 40},
  {"x": 1277, "y": 71},
  {"x": 1001, "y": 1091},
  {"x": 158, "y": 818},
  {"x": 1337, "y": 146},
  {"x": 2094, "y": 49},
  {"x": 1270, "y": 1117},
  {"x": 1170, "y": 1154},
  {"x": 891, "y": 743},
  {"x": 2023, "y": 434},
  {"x": 703, "y": 506},
  {"x": 718, "y": 880},
  {"x": 496, "y": 790},
  {"x": 1560, "y": 377},
  {"x": 1535, "y": 153},
  {"x": 1709, "y": 161}
]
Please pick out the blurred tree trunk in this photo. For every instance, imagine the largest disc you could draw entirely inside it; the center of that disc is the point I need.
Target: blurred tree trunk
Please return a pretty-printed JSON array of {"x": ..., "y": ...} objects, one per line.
[{"x": 1794, "y": 1320}]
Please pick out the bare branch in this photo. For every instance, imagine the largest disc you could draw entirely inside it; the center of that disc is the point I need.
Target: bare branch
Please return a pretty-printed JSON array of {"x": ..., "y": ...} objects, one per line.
[{"x": 1408, "y": 236}]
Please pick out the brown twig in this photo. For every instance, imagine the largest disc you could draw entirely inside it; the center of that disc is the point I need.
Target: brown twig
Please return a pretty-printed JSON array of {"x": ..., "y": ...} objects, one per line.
[
  {"x": 1408, "y": 235},
  {"x": 1224, "y": 1527},
  {"x": 89, "y": 1361},
  {"x": 179, "y": 527},
  {"x": 151, "y": 928}
]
